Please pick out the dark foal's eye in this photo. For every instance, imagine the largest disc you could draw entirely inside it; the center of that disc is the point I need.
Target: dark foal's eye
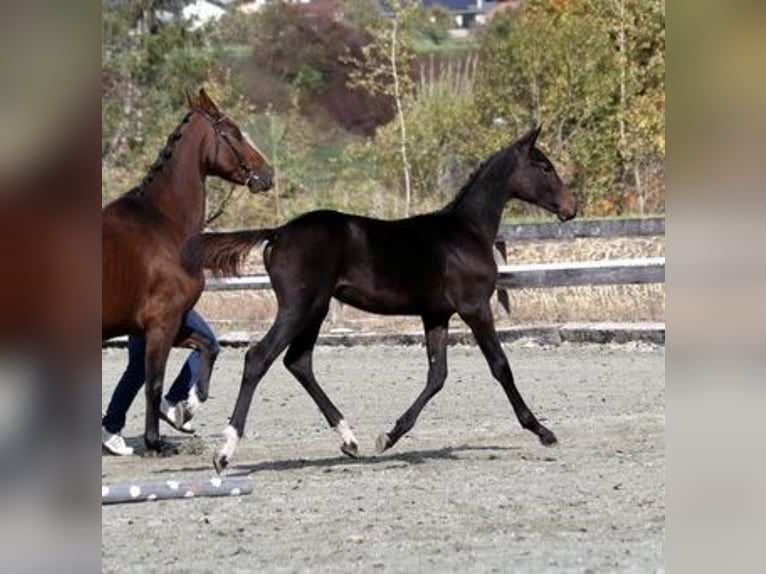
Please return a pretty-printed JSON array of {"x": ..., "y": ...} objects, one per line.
[{"x": 546, "y": 167}]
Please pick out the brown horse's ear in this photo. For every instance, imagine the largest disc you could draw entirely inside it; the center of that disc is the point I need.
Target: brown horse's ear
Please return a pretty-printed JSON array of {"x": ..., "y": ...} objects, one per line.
[
  {"x": 528, "y": 140},
  {"x": 191, "y": 100},
  {"x": 207, "y": 104}
]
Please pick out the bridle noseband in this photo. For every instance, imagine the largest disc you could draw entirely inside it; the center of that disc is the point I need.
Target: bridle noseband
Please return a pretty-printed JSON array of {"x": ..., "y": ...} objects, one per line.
[{"x": 251, "y": 174}]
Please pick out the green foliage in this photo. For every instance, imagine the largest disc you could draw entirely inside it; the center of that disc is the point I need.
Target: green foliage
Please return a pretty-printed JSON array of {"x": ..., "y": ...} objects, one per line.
[
  {"x": 441, "y": 120},
  {"x": 566, "y": 81},
  {"x": 591, "y": 70},
  {"x": 362, "y": 14},
  {"x": 146, "y": 67},
  {"x": 433, "y": 23},
  {"x": 391, "y": 45},
  {"x": 600, "y": 95}
]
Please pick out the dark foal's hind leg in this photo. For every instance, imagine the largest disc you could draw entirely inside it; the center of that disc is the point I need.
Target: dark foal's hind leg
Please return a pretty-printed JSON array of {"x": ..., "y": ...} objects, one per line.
[
  {"x": 158, "y": 345},
  {"x": 258, "y": 359},
  {"x": 298, "y": 361},
  {"x": 436, "y": 346},
  {"x": 483, "y": 329}
]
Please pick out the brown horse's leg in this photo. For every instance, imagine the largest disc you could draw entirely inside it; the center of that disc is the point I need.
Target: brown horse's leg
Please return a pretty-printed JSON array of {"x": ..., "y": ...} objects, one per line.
[
  {"x": 208, "y": 354},
  {"x": 298, "y": 362},
  {"x": 483, "y": 328},
  {"x": 436, "y": 347},
  {"x": 257, "y": 361},
  {"x": 159, "y": 340}
]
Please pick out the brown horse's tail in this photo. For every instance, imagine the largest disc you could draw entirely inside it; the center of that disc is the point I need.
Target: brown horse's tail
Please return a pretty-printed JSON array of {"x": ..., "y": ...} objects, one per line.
[{"x": 224, "y": 252}]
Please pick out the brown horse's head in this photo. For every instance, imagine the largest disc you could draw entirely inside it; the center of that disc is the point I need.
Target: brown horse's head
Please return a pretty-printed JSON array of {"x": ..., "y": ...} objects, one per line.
[
  {"x": 232, "y": 154},
  {"x": 535, "y": 180}
]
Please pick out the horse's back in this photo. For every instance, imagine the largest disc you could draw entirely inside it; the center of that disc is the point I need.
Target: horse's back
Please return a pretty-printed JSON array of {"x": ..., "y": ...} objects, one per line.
[{"x": 382, "y": 266}]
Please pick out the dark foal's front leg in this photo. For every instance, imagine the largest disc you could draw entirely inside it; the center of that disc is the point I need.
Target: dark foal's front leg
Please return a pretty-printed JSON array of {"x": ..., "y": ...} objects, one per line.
[
  {"x": 483, "y": 329},
  {"x": 158, "y": 345},
  {"x": 436, "y": 347},
  {"x": 257, "y": 361},
  {"x": 298, "y": 361}
]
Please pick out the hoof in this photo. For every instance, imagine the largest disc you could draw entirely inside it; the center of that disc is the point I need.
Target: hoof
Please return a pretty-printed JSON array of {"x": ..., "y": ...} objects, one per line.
[
  {"x": 161, "y": 448},
  {"x": 547, "y": 437},
  {"x": 220, "y": 462},
  {"x": 382, "y": 443},
  {"x": 350, "y": 449}
]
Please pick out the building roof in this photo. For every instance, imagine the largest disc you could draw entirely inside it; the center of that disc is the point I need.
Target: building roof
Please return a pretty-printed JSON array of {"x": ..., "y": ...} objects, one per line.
[{"x": 460, "y": 5}]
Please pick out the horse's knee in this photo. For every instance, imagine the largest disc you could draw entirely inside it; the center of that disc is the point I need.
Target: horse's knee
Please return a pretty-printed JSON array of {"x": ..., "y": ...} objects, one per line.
[
  {"x": 296, "y": 365},
  {"x": 153, "y": 386}
]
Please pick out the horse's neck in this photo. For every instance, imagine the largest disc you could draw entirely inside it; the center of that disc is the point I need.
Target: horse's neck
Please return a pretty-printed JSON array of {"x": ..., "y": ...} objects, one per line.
[
  {"x": 178, "y": 189},
  {"x": 481, "y": 207}
]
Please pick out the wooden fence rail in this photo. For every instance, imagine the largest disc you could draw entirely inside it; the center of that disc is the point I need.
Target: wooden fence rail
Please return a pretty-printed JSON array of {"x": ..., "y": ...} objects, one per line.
[
  {"x": 528, "y": 276},
  {"x": 582, "y": 228},
  {"x": 536, "y": 275}
]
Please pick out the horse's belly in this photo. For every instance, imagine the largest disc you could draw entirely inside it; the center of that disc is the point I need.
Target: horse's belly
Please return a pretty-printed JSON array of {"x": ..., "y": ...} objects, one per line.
[{"x": 378, "y": 303}]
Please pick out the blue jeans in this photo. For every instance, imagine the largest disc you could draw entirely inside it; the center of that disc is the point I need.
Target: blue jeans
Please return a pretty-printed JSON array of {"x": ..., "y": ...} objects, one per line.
[{"x": 134, "y": 376}]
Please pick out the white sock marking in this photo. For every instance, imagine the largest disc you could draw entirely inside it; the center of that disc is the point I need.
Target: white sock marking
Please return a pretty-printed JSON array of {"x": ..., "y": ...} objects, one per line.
[
  {"x": 230, "y": 434},
  {"x": 345, "y": 432}
]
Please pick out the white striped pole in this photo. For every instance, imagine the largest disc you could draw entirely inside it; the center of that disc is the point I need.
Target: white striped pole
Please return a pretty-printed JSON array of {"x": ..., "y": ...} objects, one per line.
[{"x": 142, "y": 491}]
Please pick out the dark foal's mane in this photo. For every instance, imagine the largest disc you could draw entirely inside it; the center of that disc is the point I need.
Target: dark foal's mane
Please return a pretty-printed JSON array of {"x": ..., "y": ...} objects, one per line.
[{"x": 468, "y": 185}]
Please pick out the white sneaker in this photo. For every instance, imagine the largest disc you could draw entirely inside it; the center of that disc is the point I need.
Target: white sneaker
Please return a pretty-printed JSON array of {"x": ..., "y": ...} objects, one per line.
[
  {"x": 174, "y": 415},
  {"x": 114, "y": 443},
  {"x": 192, "y": 401}
]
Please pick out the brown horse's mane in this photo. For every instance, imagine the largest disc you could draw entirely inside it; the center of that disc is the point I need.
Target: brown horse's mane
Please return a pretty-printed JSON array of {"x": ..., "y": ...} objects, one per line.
[{"x": 162, "y": 157}]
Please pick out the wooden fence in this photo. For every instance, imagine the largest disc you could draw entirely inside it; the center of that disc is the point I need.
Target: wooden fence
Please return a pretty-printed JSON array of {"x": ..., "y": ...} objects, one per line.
[{"x": 538, "y": 275}]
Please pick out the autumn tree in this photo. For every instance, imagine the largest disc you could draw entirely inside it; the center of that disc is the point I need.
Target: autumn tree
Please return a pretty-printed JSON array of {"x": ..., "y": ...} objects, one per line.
[{"x": 593, "y": 73}]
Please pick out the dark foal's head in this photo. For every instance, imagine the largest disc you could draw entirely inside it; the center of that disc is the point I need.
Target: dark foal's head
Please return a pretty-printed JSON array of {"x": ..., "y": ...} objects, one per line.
[
  {"x": 231, "y": 154},
  {"x": 534, "y": 179}
]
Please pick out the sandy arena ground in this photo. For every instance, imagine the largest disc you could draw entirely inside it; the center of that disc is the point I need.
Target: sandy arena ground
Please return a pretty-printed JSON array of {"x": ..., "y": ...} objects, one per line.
[{"x": 466, "y": 491}]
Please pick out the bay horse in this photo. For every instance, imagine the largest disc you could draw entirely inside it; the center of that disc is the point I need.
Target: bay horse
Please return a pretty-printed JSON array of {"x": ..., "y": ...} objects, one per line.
[
  {"x": 433, "y": 265},
  {"x": 145, "y": 287}
]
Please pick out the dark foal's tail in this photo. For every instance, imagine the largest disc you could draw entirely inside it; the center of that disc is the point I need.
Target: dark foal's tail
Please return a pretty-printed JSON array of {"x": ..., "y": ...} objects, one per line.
[{"x": 223, "y": 252}]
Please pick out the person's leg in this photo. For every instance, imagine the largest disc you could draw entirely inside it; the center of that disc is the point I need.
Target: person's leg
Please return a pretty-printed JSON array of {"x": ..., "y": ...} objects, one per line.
[
  {"x": 191, "y": 385},
  {"x": 127, "y": 387},
  {"x": 122, "y": 397}
]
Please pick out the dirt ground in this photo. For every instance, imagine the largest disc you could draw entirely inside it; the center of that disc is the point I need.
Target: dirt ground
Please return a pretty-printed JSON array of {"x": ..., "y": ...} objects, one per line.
[{"x": 466, "y": 491}]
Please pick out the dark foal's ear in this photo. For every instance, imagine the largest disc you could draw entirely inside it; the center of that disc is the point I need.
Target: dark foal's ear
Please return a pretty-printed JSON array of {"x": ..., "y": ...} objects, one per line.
[
  {"x": 527, "y": 141},
  {"x": 207, "y": 104}
]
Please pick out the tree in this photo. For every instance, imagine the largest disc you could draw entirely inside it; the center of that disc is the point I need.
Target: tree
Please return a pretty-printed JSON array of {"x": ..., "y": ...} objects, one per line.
[
  {"x": 384, "y": 68},
  {"x": 433, "y": 23},
  {"x": 147, "y": 63},
  {"x": 593, "y": 73},
  {"x": 638, "y": 29}
]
